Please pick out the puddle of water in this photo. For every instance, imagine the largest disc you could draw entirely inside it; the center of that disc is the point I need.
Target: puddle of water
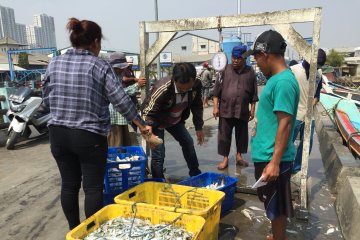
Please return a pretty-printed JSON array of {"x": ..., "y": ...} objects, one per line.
[{"x": 322, "y": 223}]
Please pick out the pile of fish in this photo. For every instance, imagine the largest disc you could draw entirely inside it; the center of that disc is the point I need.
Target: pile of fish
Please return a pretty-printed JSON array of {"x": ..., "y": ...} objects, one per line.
[
  {"x": 132, "y": 158},
  {"x": 123, "y": 159},
  {"x": 122, "y": 228}
]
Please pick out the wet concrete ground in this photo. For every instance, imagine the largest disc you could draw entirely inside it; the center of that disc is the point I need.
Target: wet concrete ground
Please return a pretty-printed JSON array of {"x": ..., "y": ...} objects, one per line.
[
  {"x": 30, "y": 189},
  {"x": 322, "y": 223}
]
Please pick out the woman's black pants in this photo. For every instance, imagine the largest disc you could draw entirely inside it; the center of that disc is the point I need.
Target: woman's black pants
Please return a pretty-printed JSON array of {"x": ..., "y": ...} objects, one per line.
[{"x": 81, "y": 157}]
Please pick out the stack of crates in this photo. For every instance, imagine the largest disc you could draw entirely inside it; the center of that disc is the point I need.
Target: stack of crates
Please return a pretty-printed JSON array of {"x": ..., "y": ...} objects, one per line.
[
  {"x": 180, "y": 199},
  {"x": 192, "y": 224},
  {"x": 205, "y": 179},
  {"x": 120, "y": 176}
]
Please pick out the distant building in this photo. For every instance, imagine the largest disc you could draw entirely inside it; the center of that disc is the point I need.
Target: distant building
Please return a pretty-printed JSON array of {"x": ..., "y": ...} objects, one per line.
[
  {"x": 7, "y": 44},
  {"x": 353, "y": 62},
  {"x": 34, "y": 36},
  {"x": 191, "y": 48},
  {"x": 346, "y": 51},
  {"x": 47, "y": 30},
  {"x": 41, "y": 34},
  {"x": 7, "y": 23},
  {"x": 21, "y": 33}
]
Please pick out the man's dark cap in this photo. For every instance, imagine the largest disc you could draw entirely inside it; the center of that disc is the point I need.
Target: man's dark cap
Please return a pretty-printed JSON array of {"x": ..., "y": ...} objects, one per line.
[
  {"x": 268, "y": 42},
  {"x": 238, "y": 51}
]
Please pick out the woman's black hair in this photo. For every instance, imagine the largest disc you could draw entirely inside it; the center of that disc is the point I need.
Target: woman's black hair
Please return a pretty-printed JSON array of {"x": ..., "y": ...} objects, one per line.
[{"x": 83, "y": 33}]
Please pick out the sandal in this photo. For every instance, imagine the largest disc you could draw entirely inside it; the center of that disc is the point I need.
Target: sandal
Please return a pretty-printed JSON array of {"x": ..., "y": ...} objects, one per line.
[{"x": 242, "y": 162}]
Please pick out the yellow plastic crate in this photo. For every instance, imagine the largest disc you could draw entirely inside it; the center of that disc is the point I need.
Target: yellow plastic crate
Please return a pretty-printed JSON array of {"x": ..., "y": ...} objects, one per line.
[
  {"x": 181, "y": 199},
  {"x": 192, "y": 224}
]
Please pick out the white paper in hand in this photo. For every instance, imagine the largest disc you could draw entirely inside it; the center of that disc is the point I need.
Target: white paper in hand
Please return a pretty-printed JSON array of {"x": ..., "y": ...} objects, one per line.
[{"x": 259, "y": 183}]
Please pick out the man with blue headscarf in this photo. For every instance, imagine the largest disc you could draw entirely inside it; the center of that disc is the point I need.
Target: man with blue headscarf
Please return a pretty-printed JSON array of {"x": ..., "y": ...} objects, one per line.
[{"x": 233, "y": 92}]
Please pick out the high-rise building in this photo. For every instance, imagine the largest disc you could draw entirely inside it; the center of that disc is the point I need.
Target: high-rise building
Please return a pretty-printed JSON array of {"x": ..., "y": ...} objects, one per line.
[
  {"x": 21, "y": 33},
  {"x": 47, "y": 28},
  {"x": 7, "y": 23},
  {"x": 34, "y": 36},
  {"x": 40, "y": 34}
]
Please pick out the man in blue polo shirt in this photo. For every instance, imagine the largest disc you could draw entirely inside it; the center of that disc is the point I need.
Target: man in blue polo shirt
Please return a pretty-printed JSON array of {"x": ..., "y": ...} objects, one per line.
[{"x": 272, "y": 149}]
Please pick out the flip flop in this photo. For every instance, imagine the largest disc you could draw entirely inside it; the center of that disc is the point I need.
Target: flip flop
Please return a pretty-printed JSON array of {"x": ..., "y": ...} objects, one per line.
[{"x": 242, "y": 162}]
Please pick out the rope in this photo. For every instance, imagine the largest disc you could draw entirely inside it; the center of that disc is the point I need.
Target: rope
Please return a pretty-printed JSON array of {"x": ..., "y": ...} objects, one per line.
[{"x": 331, "y": 110}]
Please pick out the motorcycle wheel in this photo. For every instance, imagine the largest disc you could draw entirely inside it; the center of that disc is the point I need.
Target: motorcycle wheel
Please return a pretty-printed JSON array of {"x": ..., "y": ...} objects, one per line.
[{"x": 10, "y": 143}]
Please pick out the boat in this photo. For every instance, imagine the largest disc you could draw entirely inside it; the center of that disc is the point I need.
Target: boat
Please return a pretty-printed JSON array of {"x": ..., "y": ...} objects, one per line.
[
  {"x": 338, "y": 91},
  {"x": 347, "y": 92},
  {"x": 346, "y": 116}
]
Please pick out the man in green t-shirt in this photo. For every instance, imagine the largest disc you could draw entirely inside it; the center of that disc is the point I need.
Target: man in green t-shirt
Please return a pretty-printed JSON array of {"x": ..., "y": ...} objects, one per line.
[{"x": 272, "y": 149}]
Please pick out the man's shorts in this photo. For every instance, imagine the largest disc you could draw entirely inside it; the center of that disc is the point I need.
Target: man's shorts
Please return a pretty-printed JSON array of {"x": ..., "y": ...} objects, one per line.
[
  {"x": 206, "y": 92},
  {"x": 276, "y": 195}
]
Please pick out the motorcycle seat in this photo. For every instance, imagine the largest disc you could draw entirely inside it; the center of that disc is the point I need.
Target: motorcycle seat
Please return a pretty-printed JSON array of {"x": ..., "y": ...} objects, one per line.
[{"x": 43, "y": 109}]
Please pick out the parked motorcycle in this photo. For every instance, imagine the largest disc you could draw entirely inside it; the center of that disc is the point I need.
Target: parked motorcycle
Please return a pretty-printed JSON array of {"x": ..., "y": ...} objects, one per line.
[{"x": 27, "y": 114}]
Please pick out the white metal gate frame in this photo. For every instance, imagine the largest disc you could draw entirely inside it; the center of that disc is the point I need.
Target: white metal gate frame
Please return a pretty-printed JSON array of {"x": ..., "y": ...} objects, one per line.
[{"x": 280, "y": 20}]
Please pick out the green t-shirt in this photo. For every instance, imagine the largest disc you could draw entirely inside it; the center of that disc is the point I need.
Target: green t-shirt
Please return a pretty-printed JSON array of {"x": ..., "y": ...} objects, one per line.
[{"x": 281, "y": 93}]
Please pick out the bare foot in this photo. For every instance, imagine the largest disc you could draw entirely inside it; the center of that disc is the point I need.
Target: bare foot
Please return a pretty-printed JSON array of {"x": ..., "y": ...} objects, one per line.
[{"x": 224, "y": 164}]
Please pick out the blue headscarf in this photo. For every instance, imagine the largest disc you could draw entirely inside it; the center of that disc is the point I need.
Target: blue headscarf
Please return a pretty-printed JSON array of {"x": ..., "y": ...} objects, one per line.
[{"x": 238, "y": 51}]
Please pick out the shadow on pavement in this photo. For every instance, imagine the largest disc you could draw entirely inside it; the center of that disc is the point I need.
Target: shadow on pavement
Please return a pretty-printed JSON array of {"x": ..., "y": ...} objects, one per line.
[{"x": 32, "y": 143}]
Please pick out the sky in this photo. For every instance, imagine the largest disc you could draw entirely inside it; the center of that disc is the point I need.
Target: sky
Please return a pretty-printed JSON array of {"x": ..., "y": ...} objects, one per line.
[{"x": 120, "y": 19}]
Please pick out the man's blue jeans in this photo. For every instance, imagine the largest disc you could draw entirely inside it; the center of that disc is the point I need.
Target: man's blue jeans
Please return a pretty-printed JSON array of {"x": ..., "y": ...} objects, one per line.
[
  {"x": 299, "y": 129},
  {"x": 181, "y": 135}
]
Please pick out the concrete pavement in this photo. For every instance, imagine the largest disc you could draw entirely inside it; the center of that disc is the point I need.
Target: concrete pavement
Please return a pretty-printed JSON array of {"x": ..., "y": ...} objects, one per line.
[{"x": 30, "y": 190}]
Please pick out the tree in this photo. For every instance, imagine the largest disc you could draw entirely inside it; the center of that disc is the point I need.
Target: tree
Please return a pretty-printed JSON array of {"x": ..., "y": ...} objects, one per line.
[
  {"x": 23, "y": 60},
  {"x": 335, "y": 58}
]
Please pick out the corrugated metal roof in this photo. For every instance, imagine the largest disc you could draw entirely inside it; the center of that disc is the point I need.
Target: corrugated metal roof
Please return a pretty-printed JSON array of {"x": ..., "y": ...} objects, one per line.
[
  {"x": 10, "y": 41},
  {"x": 34, "y": 59}
]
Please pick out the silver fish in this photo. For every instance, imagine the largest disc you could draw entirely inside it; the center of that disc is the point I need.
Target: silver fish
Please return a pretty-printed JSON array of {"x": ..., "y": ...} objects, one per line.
[{"x": 137, "y": 229}]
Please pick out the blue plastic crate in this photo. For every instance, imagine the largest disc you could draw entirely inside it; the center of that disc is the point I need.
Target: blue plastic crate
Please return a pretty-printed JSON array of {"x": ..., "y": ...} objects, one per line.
[
  {"x": 108, "y": 198},
  {"x": 154, "y": 180},
  {"x": 208, "y": 178},
  {"x": 120, "y": 176}
]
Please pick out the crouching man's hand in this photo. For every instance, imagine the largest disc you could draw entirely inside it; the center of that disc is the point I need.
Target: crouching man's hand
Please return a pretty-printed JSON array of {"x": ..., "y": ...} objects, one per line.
[{"x": 200, "y": 137}]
